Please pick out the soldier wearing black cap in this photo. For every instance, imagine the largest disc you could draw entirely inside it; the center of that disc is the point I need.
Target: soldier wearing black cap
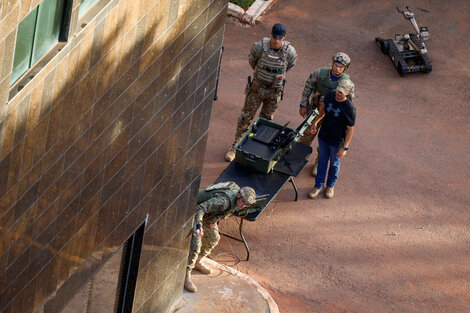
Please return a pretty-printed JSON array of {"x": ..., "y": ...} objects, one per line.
[{"x": 270, "y": 59}]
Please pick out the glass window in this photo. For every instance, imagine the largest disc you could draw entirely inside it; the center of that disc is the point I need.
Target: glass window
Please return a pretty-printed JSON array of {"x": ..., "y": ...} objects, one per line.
[
  {"x": 24, "y": 45},
  {"x": 85, "y": 5},
  {"x": 37, "y": 33},
  {"x": 47, "y": 27}
]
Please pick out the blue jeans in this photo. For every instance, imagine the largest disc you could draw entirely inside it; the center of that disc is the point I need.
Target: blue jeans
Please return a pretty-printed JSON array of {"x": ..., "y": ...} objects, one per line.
[{"x": 327, "y": 153}]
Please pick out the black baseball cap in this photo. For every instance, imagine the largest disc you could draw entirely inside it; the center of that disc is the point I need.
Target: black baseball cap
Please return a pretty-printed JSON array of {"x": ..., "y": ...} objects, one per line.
[{"x": 279, "y": 31}]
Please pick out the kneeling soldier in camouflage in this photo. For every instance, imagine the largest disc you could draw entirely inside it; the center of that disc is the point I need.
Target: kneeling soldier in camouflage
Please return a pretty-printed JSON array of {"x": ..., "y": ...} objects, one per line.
[{"x": 214, "y": 203}]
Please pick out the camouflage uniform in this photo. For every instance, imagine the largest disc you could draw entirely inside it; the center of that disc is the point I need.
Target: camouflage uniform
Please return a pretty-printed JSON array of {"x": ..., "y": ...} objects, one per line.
[
  {"x": 270, "y": 67},
  {"x": 214, "y": 203},
  {"x": 316, "y": 88}
]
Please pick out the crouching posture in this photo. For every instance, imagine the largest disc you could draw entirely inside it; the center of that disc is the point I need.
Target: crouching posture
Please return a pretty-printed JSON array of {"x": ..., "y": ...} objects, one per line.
[{"x": 214, "y": 203}]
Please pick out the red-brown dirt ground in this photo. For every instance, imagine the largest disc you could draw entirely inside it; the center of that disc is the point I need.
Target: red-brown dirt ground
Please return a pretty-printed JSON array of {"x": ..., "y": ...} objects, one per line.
[{"x": 395, "y": 238}]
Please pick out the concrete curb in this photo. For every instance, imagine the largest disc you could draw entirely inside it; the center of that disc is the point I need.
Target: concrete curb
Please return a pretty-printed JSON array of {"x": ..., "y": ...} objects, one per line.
[
  {"x": 235, "y": 11},
  {"x": 252, "y": 14},
  {"x": 273, "y": 308},
  {"x": 255, "y": 10}
]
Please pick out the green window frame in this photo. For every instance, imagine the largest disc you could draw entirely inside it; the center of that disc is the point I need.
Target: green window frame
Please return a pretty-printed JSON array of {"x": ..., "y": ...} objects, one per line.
[
  {"x": 85, "y": 5},
  {"x": 36, "y": 35}
]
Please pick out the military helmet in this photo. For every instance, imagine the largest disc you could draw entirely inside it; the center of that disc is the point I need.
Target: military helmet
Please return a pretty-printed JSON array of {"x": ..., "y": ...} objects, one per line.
[
  {"x": 342, "y": 58},
  {"x": 248, "y": 194}
]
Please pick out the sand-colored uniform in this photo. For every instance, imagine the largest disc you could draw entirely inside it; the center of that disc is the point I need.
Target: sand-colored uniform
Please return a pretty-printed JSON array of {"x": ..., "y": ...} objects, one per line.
[
  {"x": 270, "y": 67},
  {"x": 215, "y": 202}
]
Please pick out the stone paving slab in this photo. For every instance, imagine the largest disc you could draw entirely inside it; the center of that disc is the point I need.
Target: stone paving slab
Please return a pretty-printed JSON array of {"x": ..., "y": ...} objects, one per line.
[{"x": 226, "y": 290}]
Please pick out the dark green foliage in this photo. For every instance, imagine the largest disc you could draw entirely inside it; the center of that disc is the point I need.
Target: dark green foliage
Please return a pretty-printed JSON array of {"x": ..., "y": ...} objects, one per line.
[{"x": 245, "y": 4}]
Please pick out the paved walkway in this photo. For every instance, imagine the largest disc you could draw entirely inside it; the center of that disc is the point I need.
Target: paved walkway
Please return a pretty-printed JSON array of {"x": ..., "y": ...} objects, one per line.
[{"x": 226, "y": 290}]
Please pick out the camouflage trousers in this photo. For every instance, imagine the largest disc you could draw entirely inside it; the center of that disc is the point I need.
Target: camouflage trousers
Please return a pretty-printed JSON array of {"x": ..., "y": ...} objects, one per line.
[
  {"x": 201, "y": 247},
  {"x": 255, "y": 96}
]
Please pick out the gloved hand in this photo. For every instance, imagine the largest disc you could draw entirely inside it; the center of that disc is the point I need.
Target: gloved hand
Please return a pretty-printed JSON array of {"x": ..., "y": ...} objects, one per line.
[{"x": 198, "y": 232}]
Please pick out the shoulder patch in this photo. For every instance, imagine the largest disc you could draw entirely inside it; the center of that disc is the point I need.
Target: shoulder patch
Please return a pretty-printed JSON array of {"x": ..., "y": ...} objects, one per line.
[
  {"x": 286, "y": 48},
  {"x": 265, "y": 44}
]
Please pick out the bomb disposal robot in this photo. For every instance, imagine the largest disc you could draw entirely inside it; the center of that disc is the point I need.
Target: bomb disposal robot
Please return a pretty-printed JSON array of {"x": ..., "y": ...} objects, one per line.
[{"x": 408, "y": 52}]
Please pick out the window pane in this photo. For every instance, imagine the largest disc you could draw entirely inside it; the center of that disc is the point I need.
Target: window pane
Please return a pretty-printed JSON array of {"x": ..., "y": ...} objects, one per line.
[
  {"x": 47, "y": 28},
  {"x": 85, "y": 5},
  {"x": 24, "y": 46}
]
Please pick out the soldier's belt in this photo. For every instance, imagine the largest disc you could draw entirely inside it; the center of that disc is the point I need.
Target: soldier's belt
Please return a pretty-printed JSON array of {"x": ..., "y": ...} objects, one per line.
[
  {"x": 214, "y": 218},
  {"x": 256, "y": 85}
]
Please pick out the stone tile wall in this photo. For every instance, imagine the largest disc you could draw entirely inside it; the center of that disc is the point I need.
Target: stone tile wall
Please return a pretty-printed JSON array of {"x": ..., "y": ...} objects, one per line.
[{"x": 109, "y": 134}]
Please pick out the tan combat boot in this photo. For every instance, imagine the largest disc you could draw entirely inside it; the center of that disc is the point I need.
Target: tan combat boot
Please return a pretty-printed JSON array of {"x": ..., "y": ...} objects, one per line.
[
  {"x": 201, "y": 267},
  {"x": 230, "y": 155},
  {"x": 330, "y": 192},
  {"x": 314, "y": 193},
  {"x": 188, "y": 283}
]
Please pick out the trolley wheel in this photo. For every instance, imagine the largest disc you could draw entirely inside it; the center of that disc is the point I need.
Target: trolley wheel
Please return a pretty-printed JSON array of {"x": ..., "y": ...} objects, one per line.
[{"x": 382, "y": 44}]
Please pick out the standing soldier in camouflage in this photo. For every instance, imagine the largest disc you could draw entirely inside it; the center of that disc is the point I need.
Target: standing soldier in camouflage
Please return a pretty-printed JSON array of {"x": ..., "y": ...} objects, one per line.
[
  {"x": 214, "y": 203},
  {"x": 317, "y": 86},
  {"x": 270, "y": 60}
]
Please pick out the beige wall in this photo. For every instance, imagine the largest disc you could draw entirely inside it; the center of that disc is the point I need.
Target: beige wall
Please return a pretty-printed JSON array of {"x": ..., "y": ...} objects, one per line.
[{"x": 111, "y": 132}]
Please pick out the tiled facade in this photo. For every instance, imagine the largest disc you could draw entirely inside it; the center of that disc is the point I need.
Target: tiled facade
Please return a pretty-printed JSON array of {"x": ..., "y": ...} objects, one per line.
[{"x": 108, "y": 135}]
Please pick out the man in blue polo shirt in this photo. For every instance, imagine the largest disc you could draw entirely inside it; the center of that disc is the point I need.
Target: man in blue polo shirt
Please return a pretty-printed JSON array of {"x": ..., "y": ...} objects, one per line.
[{"x": 338, "y": 116}]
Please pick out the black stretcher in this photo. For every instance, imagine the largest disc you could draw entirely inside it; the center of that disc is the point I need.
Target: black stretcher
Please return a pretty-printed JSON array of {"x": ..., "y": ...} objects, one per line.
[{"x": 267, "y": 186}]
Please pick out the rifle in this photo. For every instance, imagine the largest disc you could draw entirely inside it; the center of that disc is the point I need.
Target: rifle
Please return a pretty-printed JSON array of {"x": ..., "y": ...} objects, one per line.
[
  {"x": 257, "y": 207},
  {"x": 306, "y": 124},
  {"x": 283, "y": 139}
]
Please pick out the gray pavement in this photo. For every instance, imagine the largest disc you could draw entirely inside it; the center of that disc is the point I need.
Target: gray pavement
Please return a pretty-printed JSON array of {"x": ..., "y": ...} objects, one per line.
[{"x": 226, "y": 290}]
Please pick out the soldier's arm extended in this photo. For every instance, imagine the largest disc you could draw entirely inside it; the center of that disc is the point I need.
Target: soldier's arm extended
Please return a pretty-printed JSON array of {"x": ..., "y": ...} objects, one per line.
[
  {"x": 255, "y": 53},
  {"x": 291, "y": 58},
  {"x": 318, "y": 118},
  {"x": 213, "y": 205},
  {"x": 310, "y": 87}
]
